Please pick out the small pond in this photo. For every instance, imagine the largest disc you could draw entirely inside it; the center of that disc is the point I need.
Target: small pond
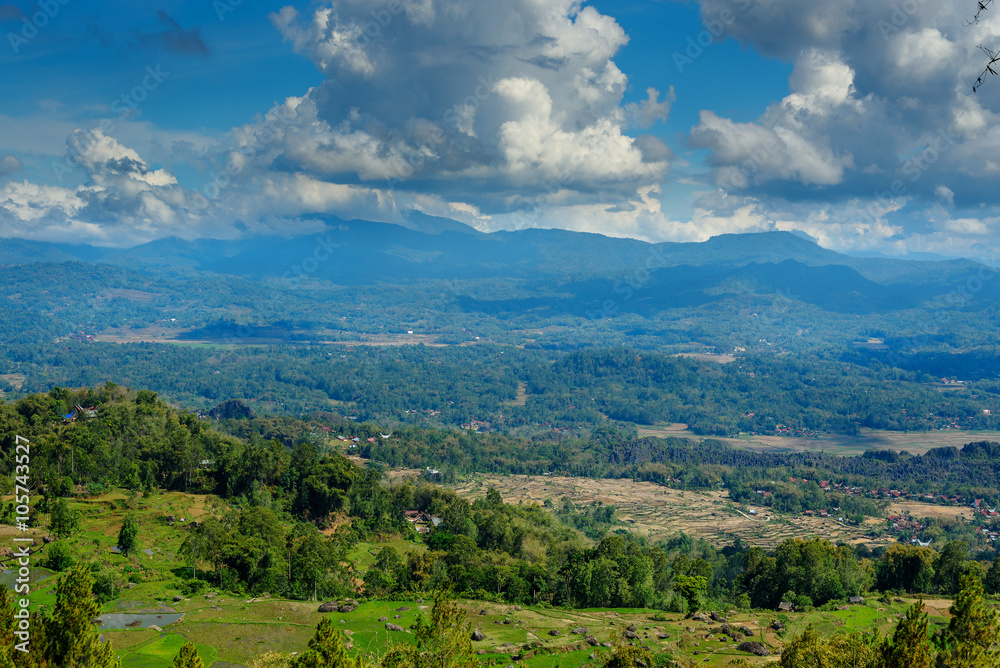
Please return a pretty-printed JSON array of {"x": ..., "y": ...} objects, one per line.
[
  {"x": 8, "y": 578},
  {"x": 145, "y": 620}
]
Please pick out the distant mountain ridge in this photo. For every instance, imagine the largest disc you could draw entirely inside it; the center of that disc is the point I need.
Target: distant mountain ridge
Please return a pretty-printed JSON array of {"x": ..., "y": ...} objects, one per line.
[{"x": 362, "y": 252}]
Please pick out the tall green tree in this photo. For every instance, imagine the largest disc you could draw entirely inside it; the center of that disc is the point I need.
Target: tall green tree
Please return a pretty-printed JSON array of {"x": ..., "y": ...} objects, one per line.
[
  {"x": 8, "y": 625},
  {"x": 63, "y": 520},
  {"x": 70, "y": 636},
  {"x": 187, "y": 658},
  {"x": 973, "y": 636},
  {"x": 910, "y": 646},
  {"x": 128, "y": 536},
  {"x": 445, "y": 641},
  {"x": 325, "y": 650}
]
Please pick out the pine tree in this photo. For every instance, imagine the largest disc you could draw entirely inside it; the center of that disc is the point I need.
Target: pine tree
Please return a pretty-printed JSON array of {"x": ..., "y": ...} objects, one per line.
[
  {"x": 807, "y": 650},
  {"x": 325, "y": 650},
  {"x": 187, "y": 658},
  {"x": 443, "y": 642},
  {"x": 7, "y": 627},
  {"x": 70, "y": 637},
  {"x": 973, "y": 635},
  {"x": 624, "y": 655},
  {"x": 909, "y": 647},
  {"x": 128, "y": 536}
]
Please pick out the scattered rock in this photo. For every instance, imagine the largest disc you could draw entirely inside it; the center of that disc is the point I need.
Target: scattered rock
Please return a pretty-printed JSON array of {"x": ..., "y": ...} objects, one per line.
[
  {"x": 349, "y": 605},
  {"x": 746, "y": 631},
  {"x": 662, "y": 636},
  {"x": 632, "y": 628},
  {"x": 631, "y": 635},
  {"x": 754, "y": 648},
  {"x": 134, "y": 624},
  {"x": 154, "y": 627},
  {"x": 403, "y": 608},
  {"x": 580, "y": 631},
  {"x": 717, "y": 617},
  {"x": 48, "y": 539},
  {"x": 478, "y": 635},
  {"x": 554, "y": 632},
  {"x": 699, "y": 617},
  {"x": 778, "y": 626},
  {"x": 329, "y": 606},
  {"x": 517, "y": 608},
  {"x": 211, "y": 594},
  {"x": 483, "y": 613},
  {"x": 397, "y": 616},
  {"x": 591, "y": 640},
  {"x": 383, "y": 619},
  {"x": 178, "y": 598},
  {"x": 592, "y": 657},
  {"x": 480, "y": 651},
  {"x": 506, "y": 620},
  {"x": 394, "y": 627}
]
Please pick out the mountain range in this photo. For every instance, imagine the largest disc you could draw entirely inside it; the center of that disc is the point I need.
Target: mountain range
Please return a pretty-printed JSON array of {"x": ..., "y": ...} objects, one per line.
[{"x": 579, "y": 264}]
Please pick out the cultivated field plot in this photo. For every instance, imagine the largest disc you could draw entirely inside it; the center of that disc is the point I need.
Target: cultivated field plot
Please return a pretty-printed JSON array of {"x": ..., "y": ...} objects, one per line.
[
  {"x": 914, "y": 442},
  {"x": 658, "y": 512},
  {"x": 16, "y": 380}
]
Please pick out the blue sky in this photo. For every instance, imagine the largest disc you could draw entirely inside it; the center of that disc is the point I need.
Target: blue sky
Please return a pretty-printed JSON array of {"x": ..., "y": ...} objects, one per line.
[{"x": 852, "y": 122}]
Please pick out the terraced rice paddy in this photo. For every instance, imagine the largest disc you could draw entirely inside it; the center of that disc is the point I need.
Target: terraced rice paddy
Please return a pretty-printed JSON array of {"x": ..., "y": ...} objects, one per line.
[{"x": 658, "y": 512}]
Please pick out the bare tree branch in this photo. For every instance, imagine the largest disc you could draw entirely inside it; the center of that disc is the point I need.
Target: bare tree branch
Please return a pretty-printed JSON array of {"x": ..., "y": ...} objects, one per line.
[{"x": 993, "y": 55}]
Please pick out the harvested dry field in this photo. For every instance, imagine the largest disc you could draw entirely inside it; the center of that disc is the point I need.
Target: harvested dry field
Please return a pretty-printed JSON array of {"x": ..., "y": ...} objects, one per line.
[
  {"x": 658, "y": 512},
  {"x": 921, "y": 510}
]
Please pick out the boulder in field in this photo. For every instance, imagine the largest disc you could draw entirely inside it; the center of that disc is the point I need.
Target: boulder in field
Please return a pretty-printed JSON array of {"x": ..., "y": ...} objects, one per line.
[
  {"x": 580, "y": 631},
  {"x": 329, "y": 606},
  {"x": 383, "y": 619},
  {"x": 478, "y": 635},
  {"x": 394, "y": 627},
  {"x": 554, "y": 632},
  {"x": 754, "y": 648}
]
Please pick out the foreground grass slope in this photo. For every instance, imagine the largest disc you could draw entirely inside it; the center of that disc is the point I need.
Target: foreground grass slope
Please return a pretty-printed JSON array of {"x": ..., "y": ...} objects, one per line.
[{"x": 233, "y": 630}]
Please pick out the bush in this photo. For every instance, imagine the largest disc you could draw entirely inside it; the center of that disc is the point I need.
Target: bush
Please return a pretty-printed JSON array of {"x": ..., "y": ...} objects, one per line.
[
  {"x": 194, "y": 586},
  {"x": 59, "y": 557},
  {"x": 802, "y": 602},
  {"x": 96, "y": 488}
]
